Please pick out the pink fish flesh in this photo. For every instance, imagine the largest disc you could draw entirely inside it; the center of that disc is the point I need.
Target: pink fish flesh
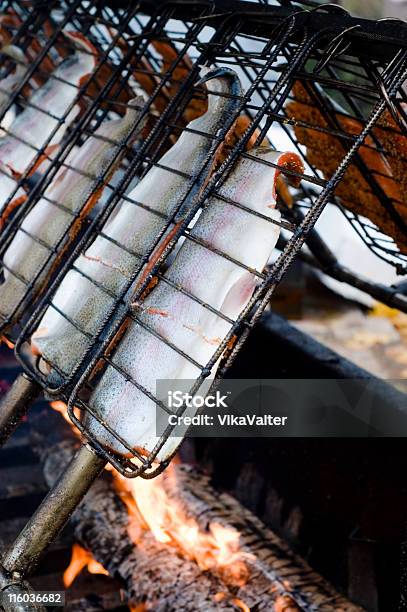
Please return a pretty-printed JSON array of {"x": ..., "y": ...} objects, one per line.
[
  {"x": 50, "y": 224},
  {"x": 10, "y": 83},
  {"x": 33, "y": 128},
  {"x": 180, "y": 320},
  {"x": 135, "y": 228}
]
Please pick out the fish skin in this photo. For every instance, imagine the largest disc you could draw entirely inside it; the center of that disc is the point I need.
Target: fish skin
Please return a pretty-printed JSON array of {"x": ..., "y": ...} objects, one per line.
[
  {"x": 135, "y": 228},
  {"x": 33, "y": 126},
  {"x": 8, "y": 186},
  {"x": 182, "y": 321},
  {"x": 74, "y": 192},
  {"x": 7, "y": 87},
  {"x": 9, "y": 84}
]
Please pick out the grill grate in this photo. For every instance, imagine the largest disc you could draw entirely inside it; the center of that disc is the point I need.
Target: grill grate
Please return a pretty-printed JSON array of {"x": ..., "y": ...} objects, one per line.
[
  {"x": 351, "y": 70},
  {"x": 103, "y": 92}
]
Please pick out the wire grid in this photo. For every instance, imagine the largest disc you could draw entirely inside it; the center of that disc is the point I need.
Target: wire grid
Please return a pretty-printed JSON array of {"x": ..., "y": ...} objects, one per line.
[
  {"x": 268, "y": 68},
  {"x": 356, "y": 98},
  {"x": 103, "y": 96}
]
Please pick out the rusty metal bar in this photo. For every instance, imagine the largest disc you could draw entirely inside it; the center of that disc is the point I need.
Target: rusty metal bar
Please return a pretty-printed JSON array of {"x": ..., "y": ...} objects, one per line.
[
  {"x": 15, "y": 403},
  {"x": 54, "y": 512},
  {"x": 12, "y": 586}
]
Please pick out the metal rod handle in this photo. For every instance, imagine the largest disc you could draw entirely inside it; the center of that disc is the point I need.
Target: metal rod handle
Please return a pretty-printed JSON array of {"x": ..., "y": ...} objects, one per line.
[
  {"x": 16, "y": 403},
  {"x": 54, "y": 511},
  {"x": 13, "y": 592}
]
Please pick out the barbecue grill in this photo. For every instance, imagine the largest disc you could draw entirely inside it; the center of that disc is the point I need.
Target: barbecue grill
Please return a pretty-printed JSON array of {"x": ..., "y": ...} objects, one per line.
[{"x": 339, "y": 62}]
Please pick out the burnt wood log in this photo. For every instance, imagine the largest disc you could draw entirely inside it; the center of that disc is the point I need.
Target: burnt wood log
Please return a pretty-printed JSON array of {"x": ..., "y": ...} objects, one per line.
[{"x": 158, "y": 575}]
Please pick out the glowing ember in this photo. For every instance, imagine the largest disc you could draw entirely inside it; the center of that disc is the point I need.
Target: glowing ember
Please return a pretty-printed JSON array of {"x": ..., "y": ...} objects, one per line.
[
  {"x": 219, "y": 596},
  {"x": 284, "y": 603},
  {"x": 218, "y": 549},
  {"x": 240, "y": 604},
  {"x": 80, "y": 559}
]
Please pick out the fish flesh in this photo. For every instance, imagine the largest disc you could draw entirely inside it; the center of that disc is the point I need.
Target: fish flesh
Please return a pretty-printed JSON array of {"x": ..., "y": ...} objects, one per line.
[
  {"x": 325, "y": 151},
  {"x": 7, "y": 86},
  {"x": 50, "y": 224},
  {"x": 55, "y": 219},
  {"x": 10, "y": 83},
  {"x": 182, "y": 321},
  {"x": 135, "y": 226},
  {"x": 175, "y": 317},
  {"x": 48, "y": 106},
  {"x": 32, "y": 129}
]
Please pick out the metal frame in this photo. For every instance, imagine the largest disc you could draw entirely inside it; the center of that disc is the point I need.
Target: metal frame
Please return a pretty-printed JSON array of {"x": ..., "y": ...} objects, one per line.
[
  {"x": 86, "y": 125},
  {"x": 296, "y": 39},
  {"x": 286, "y": 39},
  {"x": 15, "y": 404},
  {"x": 298, "y": 44}
]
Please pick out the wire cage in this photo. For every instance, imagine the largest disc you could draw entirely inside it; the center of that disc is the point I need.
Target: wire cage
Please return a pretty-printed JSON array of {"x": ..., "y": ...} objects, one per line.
[
  {"x": 68, "y": 105},
  {"x": 314, "y": 81}
]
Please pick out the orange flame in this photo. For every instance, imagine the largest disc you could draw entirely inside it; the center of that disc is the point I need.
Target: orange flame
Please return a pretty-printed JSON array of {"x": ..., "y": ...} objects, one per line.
[
  {"x": 151, "y": 508},
  {"x": 221, "y": 596},
  {"x": 284, "y": 603},
  {"x": 240, "y": 604},
  {"x": 7, "y": 342},
  {"x": 62, "y": 408},
  {"x": 81, "y": 558}
]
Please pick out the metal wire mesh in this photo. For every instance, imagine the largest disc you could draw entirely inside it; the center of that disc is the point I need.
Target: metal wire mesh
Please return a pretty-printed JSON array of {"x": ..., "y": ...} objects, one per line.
[
  {"x": 340, "y": 71},
  {"x": 48, "y": 37}
]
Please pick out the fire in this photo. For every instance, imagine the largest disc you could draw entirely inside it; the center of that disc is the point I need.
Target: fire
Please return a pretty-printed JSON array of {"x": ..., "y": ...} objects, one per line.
[
  {"x": 62, "y": 408},
  {"x": 240, "y": 604},
  {"x": 151, "y": 508},
  {"x": 284, "y": 603},
  {"x": 221, "y": 596},
  {"x": 81, "y": 558},
  {"x": 7, "y": 342}
]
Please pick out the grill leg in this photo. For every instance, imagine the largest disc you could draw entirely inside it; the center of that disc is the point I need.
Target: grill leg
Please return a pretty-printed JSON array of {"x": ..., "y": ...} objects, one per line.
[
  {"x": 15, "y": 405},
  {"x": 54, "y": 512}
]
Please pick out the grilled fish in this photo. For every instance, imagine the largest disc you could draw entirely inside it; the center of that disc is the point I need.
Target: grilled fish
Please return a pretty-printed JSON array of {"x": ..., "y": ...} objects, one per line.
[
  {"x": 180, "y": 320},
  {"x": 9, "y": 84},
  {"x": 325, "y": 151},
  {"x": 56, "y": 218},
  {"x": 135, "y": 228},
  {"x": 32, "y": 129}
]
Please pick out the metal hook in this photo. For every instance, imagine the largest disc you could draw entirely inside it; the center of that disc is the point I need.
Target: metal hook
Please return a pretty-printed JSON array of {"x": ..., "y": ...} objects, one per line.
[
  {"x": 398, "y": 118},
  {"x": 289, "y": 21},
  {"x": 335, "y": 47}
]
